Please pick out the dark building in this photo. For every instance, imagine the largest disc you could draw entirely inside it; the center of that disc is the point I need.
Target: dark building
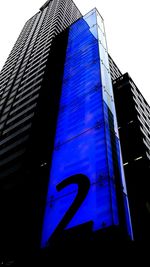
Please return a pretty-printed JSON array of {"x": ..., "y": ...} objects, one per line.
[
  {"x": 133, "y": 114},
  {"x": 26, "y": 103},
  {"x": 58, "y": 130},
  {"x": 114, "y": 70}
]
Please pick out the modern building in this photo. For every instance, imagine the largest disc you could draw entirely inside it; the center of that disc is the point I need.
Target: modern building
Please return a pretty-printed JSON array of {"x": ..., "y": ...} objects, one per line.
[
  {"x": 61, "y": 170},
  {"x": 86, "y": 146},
  {"x": 24, "y": 146},
  {"x": 133, "y": 114}
]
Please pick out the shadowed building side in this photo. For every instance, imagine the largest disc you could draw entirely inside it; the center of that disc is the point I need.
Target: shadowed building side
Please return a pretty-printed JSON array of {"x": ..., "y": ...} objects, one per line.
[
  {"x": 133, "y": 114},
  {"x": 23, "y": 84}
]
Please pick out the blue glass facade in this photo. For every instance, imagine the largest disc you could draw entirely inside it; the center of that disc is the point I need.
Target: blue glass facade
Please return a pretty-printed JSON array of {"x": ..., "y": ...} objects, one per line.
[{"x": 82, "y": 155}]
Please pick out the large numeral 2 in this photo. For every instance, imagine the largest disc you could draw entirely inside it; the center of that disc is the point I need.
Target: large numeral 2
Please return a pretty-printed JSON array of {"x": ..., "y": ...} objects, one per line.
[{"x": 83, "y": 187}]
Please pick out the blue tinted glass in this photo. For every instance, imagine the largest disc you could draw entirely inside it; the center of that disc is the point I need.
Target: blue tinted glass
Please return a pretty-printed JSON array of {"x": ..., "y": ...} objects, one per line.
[
  {"x": 85, "y": 136},
  {"x": 91, "y": 18}
]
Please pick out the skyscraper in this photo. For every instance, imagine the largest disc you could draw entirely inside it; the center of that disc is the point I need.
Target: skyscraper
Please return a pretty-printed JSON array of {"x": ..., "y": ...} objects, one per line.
[
  {"x": 22, "y": 127},
  {"x": 59, "y": 134},
  {"x": 133, "y": 114}
]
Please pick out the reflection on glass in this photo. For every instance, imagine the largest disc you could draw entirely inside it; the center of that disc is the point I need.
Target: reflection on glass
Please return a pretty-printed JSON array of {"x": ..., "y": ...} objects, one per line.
[
  {"x": 91, "y": 19},
  {"x": 85, "y": 137},
  {"x": 90, "y": 16},
  {"x": 93, "y": 30}
]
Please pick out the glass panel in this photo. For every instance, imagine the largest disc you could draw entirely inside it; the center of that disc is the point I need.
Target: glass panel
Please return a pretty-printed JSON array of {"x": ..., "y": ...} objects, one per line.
[
  {"x": 101, "y": 38},
  {"x": 91, "y": 18},
  {"x": 100, "y": 22},
  {"x": 94, "y": 31},
  {"x": 104, "y": 56},
  {"x": 88, "y": 156}
]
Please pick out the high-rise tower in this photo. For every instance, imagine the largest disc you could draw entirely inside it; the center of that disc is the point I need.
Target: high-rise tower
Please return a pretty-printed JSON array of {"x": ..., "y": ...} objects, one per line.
[
  {"x": 59, "y": 135},
  {"x": 22, "y": 86}
]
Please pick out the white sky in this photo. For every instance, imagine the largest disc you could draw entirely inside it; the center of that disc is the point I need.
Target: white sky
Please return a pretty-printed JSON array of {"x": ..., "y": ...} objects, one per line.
[{"x": 127, "y": 30}]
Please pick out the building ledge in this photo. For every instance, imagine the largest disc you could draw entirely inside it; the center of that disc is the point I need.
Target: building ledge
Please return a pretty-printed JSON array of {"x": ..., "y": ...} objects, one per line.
[{"x": 45, "y": 5}]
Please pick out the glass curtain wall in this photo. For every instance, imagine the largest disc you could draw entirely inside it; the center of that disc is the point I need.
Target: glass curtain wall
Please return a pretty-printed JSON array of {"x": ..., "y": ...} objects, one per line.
[{"x": 82, "y": 183}]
